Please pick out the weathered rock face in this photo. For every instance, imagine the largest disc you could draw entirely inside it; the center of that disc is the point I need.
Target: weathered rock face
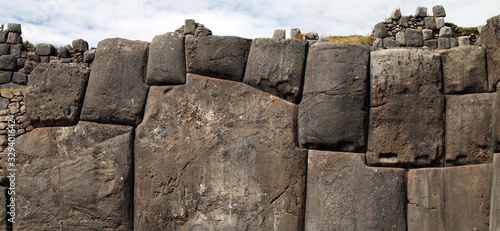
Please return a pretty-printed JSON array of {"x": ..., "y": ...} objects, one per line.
[
  {"x": 333, "y": 113},
  {"x": 464, "y": 75},
  {"x": 490, "y": 39},
  {"x": 344, "y": 194},
  {"x": 116, "y": 91},
  {"x": 406, "y": 108},
  {"x": 277, "y": 67},
  {"x": 222, "y": 57},
  {"x": 167, "y": 62},
  {"x": 468, "y": 128},
  {"x": 414, "y": 37},
  {"x": 86, "y": 185},
  {"x": 56, "y": 94},
  {"x": 495, "y": 195},
  {"x": 456, "y": 198},
  {"x": 202, "y": 165}
]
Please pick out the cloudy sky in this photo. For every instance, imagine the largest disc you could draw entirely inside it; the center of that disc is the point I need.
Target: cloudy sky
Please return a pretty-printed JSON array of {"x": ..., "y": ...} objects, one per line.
[{"x": 61, "y": 21}]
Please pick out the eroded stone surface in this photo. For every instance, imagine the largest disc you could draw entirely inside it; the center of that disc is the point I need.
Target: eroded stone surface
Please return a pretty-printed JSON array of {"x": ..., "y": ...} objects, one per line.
[
  {"x": 345, "y": 194},
  {"x": 167, "y": 60},
  {"x": 495, "y": 195},
  {"x": 454, "y": 198},
  {"x": 80, "y": 175},
  {"x": 202, "y": 165},
  {"x": 464, "y": 70},
  {"x": 490, "y": 39}
]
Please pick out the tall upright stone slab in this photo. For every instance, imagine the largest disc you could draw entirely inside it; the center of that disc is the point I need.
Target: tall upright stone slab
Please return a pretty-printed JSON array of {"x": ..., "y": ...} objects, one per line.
[
  {"x": 333, "y": 114},
  {"x": 116, "y": 91},
  {"x": 495, "y": 195},
  {"x": 464, "y": 70},
  {"x": 345, "y": 194},
  {"x": 56, "y": 94},
  {"x": 490, "y": 39},
  {"x": 406, "y": 108},
  {"x": 204, "y": 165},
  {"x": 167, "y": 60},
  {"x": 453, "y": 198},
  {"x": 277, "y": 67},
  {"x": 222, "y": 57},
  {"x": 468, "y": 129},
  {"x": 80, "y": 176}
]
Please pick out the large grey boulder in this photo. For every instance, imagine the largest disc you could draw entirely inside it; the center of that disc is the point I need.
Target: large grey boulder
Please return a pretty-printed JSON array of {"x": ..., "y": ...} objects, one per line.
[
  {"x": 222, "y": 57},
  {"x": 495, "y": 195},
  {"x": 468, "y": 129},
  {"x": 205, "y": 165},
  {"x": 490, "y": 39},
  {"x": 56, "y": 94},
  {"x": 421, "y": 12},
  {"x": 455, "y": 198},
  {"x": 379, "y": 31},
  {"x": 444, "y": 43},
  {"x": 15, "y": 50},
  {"x": 167, "y": 60},
  {"x": 430, "y": 23},
  {"x": 5, "y": 77},
  {"x": 4, "y": 49},
  {"x": 80, "y": 175},
  {"x": 414, "y": 37},
  {"x": 116, "y": 92},
  {"x": 345, "y": 194},
  {"x": 334, "y": 109},
  {"x": 14, "y": 27},
  {"x": 438, "y": 11},
  {"x": 406, "y": 108},
  {"x": 45, "y": 49},
  {"x": 445, "y": 32},
  {"x": 277, "y": 67},
  {"x": 396, "y": 14},
  {"x": 464, "y": 70},
  {"x": 80, "y": 45},
  {"x": 8, "y": 63}
]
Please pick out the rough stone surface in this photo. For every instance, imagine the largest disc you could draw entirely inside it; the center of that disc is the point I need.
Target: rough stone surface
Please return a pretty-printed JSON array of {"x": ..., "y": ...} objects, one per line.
[
  {"x": 414, "y": 37},
  {"x": 403, "y": 21},
  {"x": 444, "y": 43},
  {"x": 14, "y": 27},
  {"x": 14, "y": 38},
  {"x": 277, "y": 67},
  {"x": 455, "y": 198},
  {"x": 468, "y": 129},
  {"x": 464, "y": 41},
  {"x": 4, "y": 49},
  {"x": 438, "y": 11},
  {"x": 5, "y": 77},
  {"x": 490, "y": 39},
  {"x": 56, "y": 106},
  {"x": 89, "y": 56},
  {"x": 379, "y": 31},
  {"x": 390, "y": 43},
  {"x": 378, "y": 42},
  {"x": 222, "y": 57},
  {"x": 440, "y": 22},
  {"x": 80, "y": 45},
  {"x": 45, "y": 49},
  {"x": 294, "y": 32},
  {"x": 116, "y": 91},
  {"x": 167, "y": 62},
  {"x": 495, "y": 195},
  {"x": 400, "y": 38},
  {"x": 189, "y": 26},
  {"x": 20, "y": 78},
  {"x": 445, "y": 32},
  {"x": 333, "y": 114},
  {"x": 4, "y": 201},
  {"x": 430, "y": 23},
  {"x": 421, "y": 12},
  {"x": 15, "y": 50},
  {"x": 406, "y": 108},
  {"x": 279, "y": 34},
  {"x": 202, "y": 165},
  {"x": 427, "y": 34},
  {"x": 87, "y": 184},
  {"x": 396, "y": 14},
  {"x": 344, "y": 194},
  {"x": 464, "y": 75},
  {"x": 8, "y": 63}
]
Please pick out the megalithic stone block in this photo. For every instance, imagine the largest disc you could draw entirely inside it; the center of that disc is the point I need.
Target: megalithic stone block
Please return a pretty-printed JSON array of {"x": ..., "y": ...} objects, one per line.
[
  {"x": 464, "y": 75},
  {"x": 80, "y": 45},
  {"x": 202, "y": 164},
  {"x": 80, "y": 175},
  {"x": 491, "y": 41},
  {"x": 495, "y": 195},
  {"x": 116, "y": 92},
  {"x": 468, "y": 129},
  {"x": 406, "y": 108},
  {"x": 345, "y": 194},
  {"x": 167, "y": 60},
  {"x": 277, "y": 67},
  {"x": 453, "y": 198},
  {"x": 333, "y": 114},
  {"x": 223, "y": 57}
]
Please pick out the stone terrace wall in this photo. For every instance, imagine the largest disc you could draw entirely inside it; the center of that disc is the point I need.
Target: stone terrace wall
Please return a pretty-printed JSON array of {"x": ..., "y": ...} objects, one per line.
[{"x": 195, "y": 131}]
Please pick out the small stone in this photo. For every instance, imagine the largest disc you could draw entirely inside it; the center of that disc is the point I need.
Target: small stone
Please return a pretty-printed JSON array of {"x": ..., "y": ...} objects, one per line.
[
  {"x": 400, "y": 38},
  {"x": 279, "y": 34},
  {"x": 14, "y": 105},
  {"x": 396, "y": 14},
  {"x": 389, "y": 43},
  {"x": 378, "y": 42},
  {"x": 14, "y": 111},
  {"x": 438, "y": 11},
  {"x": 21, "y": 119},
  {"x": 294, "y": 32},
  {"x": 3, "y": 126},
  {"x": 30, "y": 128},
  {"x": 23, "y": 109},
  {"x": 3, "y": 140},
  {"x": 444, "y": 43},
  {"x": 403, "y": 21},
  {"x": 421, "y": 12},
  {"x": 189, "y": 26},
  {"x": 20, "y": 132},
  {"x": 24, "y": 125},
  {"x": 4, "y": 112},
  {"x": 445, "y": 32},
  {"x": 14, "y": 38},
  {"x": 44, "y": 59},
  {"x": 7, "y": 94},
  {"x": 379, "y": 31}
]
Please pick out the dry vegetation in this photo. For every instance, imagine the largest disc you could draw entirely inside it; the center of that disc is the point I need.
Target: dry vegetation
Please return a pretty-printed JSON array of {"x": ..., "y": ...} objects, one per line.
[{"x": 351, "y": 39}]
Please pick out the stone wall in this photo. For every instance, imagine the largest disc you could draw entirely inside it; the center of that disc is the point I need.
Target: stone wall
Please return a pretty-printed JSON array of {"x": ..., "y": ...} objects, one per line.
[{"x": 195, "y": 131}]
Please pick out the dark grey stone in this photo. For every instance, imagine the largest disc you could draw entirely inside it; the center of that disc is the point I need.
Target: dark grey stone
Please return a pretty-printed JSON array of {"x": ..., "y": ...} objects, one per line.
[
  {"x": 277, "y": 67},
  {"x": 194, "y": 157},
  {"x": 14, "y": 27},
  {"x": 379, "y": 42},
  {"x": 444, "y": 43},
  {"x": 14, "y": 38},
  {"x": 414, "y": 37},
  {"x": 87, "y": 183},
  {"x": 438, "y": 11},
  {"x": 20, "y": 63},
  {"x": 445, "y": 32},
  {"x": 4, "y": 49},
  {"x": 379, "y": 31},
  {"x": 4, "y": 103},
  {"x": 495, "y": 195},
  {"x": 89, "y": 56},
  {"x": 116, "y": 92},
  {"x": 16, "y": 49},
  {"x": 45, "y": 49},
  {"x": 20, "y": 78},
  {"x": 63, "y": 52},
  {"x": 403, "y": 21},
  {"x": 421, "y": 12},
  {"x": 167, "y": 60},
  {"x": 80, "y": 45},
  {"x": 464, "y": 75},
  {"x": 390, "y": 43},
  {"x": 29, "y": 66},
  {"x": 345, "y": 194},
  {"x": 406, "y": 109},
  {"x": 333, "y": 113},
  {"x": 440, "y": 22},
  {"x": 430, "y": 23},
  {"x": 453, "y": 42},
  {"x": 8, "y": 63},
  {"x": 222, "y": 57},
  {"x": 490, "y": 39},
  {"x": 431, "y": 43},
  {"x": 3, "y": 36},
  {"x": 202, "y": 31},
  {"x": 189, "y": 26},
  {"x": 279, "y": 34},
  {"x": 5, "y": 77}
]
